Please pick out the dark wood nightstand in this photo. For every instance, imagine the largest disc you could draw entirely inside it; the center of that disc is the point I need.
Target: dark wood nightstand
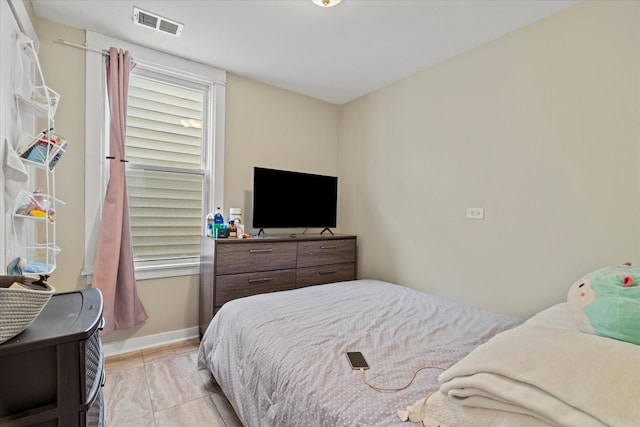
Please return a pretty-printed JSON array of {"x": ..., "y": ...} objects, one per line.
[{"x": 52, "y": 373}]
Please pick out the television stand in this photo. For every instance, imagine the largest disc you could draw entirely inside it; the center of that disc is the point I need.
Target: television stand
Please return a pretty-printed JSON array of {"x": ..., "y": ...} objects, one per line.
[
  {"x": 261, "y": 232},
  {"x": 326, "y": 229}
]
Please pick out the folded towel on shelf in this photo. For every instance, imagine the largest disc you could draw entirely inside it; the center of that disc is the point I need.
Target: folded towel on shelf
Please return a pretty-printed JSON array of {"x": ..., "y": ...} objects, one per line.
[{"x": 19, "y": 266}]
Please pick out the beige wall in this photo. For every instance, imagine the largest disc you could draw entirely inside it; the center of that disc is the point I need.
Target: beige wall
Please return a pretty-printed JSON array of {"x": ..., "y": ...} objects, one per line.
[
  {"x": 64, "y": 72},
  {"x": 274, "y": 128},
  {"x": 541, "y": 128},
  {"x": 265, "y": 126}
]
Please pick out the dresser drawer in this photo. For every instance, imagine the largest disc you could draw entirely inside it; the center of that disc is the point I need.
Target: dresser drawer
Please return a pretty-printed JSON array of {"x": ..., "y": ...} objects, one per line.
[
  {"x": 243, "y": 285},
  {"x": 326, "y": 274},
  {"x": 248, "y": 257},
  {"x": 326, "y": 252}
]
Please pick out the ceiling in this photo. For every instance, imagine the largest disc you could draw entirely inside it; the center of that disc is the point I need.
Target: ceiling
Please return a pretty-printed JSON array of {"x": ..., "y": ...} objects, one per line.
[{"x": 335, "y": 54}]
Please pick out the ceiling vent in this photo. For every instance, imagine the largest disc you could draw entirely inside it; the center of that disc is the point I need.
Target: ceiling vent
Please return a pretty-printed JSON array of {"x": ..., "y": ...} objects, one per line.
[{"x": 156, "y": 22}]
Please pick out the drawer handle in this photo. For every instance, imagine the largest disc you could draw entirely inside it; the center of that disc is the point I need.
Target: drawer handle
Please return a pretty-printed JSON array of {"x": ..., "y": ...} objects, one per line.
[
  {"x": 265, "y": 279},
  {"x": 255, "y": 251},
  {"x": 324, "y": 273},
  {"x": 329, "y": 247}
]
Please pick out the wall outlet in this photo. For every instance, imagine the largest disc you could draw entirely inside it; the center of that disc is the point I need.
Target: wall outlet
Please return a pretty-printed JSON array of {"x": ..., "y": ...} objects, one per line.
[{"x": 475, "y": 213}]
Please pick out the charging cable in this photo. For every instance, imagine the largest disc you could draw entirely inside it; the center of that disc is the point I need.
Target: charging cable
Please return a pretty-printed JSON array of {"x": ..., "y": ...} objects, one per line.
[{"x": 392, "y": 390}]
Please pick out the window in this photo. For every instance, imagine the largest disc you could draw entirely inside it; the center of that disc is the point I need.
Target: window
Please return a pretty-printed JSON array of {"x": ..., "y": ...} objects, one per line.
[
  {"x": 166, "y": 173},
  {"x": 174, "y": 150}
]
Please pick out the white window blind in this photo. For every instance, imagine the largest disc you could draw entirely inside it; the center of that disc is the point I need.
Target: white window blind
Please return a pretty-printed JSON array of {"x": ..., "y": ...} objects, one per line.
[{"x": 166, "y": 176}]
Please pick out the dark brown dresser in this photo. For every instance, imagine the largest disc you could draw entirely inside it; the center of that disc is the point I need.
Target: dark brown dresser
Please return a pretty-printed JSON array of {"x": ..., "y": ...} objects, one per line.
[
  {"x": 236, "y": 268},
  {"x": 52, "y": 373}
]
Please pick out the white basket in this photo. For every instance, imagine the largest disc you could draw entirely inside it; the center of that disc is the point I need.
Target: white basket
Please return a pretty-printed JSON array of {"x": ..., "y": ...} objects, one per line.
[{"x": 19, "y": 307}]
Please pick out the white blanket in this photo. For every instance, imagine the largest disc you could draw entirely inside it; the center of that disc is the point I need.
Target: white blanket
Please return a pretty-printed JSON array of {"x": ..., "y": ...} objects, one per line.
[
  {"x": 442, "y": 412},
  {"x": 556, "y": 374}
]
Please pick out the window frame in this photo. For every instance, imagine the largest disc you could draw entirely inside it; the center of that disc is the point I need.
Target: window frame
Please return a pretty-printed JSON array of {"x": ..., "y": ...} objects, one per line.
[
  {"x": 141, "y": 71},
  {"x": 96, "y": 137}
]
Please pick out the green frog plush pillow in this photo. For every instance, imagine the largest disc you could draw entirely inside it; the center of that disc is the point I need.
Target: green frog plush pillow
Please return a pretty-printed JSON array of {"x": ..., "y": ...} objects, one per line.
[{"x": 606, "y": 302}]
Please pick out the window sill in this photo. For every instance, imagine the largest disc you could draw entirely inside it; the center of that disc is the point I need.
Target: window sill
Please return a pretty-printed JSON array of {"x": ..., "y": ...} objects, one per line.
[{"x": 148, "y": 272}]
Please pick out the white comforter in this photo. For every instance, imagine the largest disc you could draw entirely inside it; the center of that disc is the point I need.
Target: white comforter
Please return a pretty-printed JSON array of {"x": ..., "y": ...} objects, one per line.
[
  {"x": 280, "y": 357},
  {"x": 544, "y": 371}
]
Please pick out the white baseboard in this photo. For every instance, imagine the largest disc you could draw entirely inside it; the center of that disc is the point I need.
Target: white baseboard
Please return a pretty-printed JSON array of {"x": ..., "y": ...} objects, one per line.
[{"x": 139, "y": 343}]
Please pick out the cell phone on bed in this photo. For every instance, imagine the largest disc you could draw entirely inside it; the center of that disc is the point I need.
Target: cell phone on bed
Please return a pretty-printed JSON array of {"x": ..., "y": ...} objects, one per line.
[{"x": 356, "y": 359}]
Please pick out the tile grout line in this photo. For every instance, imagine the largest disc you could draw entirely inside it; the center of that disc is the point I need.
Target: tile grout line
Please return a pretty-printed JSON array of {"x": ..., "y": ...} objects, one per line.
[
  {"x": 153, "y": 406},
  {"x": 209, "y": 394},
  {"x": 146, "y": 378}
]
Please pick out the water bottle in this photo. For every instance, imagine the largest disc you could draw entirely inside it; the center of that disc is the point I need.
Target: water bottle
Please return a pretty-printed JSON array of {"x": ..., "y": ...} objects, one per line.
[
  {"x": 209, "y": 225},
  {"x": 218, "y": 220}
]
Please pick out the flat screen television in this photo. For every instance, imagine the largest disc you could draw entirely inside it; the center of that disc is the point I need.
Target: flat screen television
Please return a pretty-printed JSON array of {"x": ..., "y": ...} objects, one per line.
[{"x": 286, "y": 199}]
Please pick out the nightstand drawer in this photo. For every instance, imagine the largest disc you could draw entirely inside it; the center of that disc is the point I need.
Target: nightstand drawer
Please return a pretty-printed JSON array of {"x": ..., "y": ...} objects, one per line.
[
  {"x": 243, "y": 285},
  {"x": 248, "y": 257},
  {"x": 325, "y": 252},
  {"x": 325, "y": 274}
]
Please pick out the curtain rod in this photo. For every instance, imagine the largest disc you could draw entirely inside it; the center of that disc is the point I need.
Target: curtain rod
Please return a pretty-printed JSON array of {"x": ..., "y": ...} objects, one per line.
[{"x": 84, "y": 47}]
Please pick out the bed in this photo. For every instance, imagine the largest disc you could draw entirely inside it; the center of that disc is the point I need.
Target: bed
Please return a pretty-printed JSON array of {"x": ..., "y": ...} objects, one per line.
[{"x": 280, "y": 357}]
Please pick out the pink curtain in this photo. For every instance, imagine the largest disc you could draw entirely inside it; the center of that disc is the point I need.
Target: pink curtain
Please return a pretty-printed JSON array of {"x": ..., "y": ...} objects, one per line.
[{"x": 114, "y": 271}]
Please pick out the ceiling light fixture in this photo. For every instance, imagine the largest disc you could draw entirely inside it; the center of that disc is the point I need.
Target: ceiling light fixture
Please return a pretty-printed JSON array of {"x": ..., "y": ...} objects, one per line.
[{"x": 326, "y": 3}]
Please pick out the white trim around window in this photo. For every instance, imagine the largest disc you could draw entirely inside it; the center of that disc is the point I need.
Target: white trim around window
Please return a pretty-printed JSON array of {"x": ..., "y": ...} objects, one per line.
[{"x": 96, "y": 139}]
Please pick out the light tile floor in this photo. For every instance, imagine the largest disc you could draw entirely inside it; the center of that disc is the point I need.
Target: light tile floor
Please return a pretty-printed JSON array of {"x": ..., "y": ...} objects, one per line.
[{"x": 161, "y": 387}]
